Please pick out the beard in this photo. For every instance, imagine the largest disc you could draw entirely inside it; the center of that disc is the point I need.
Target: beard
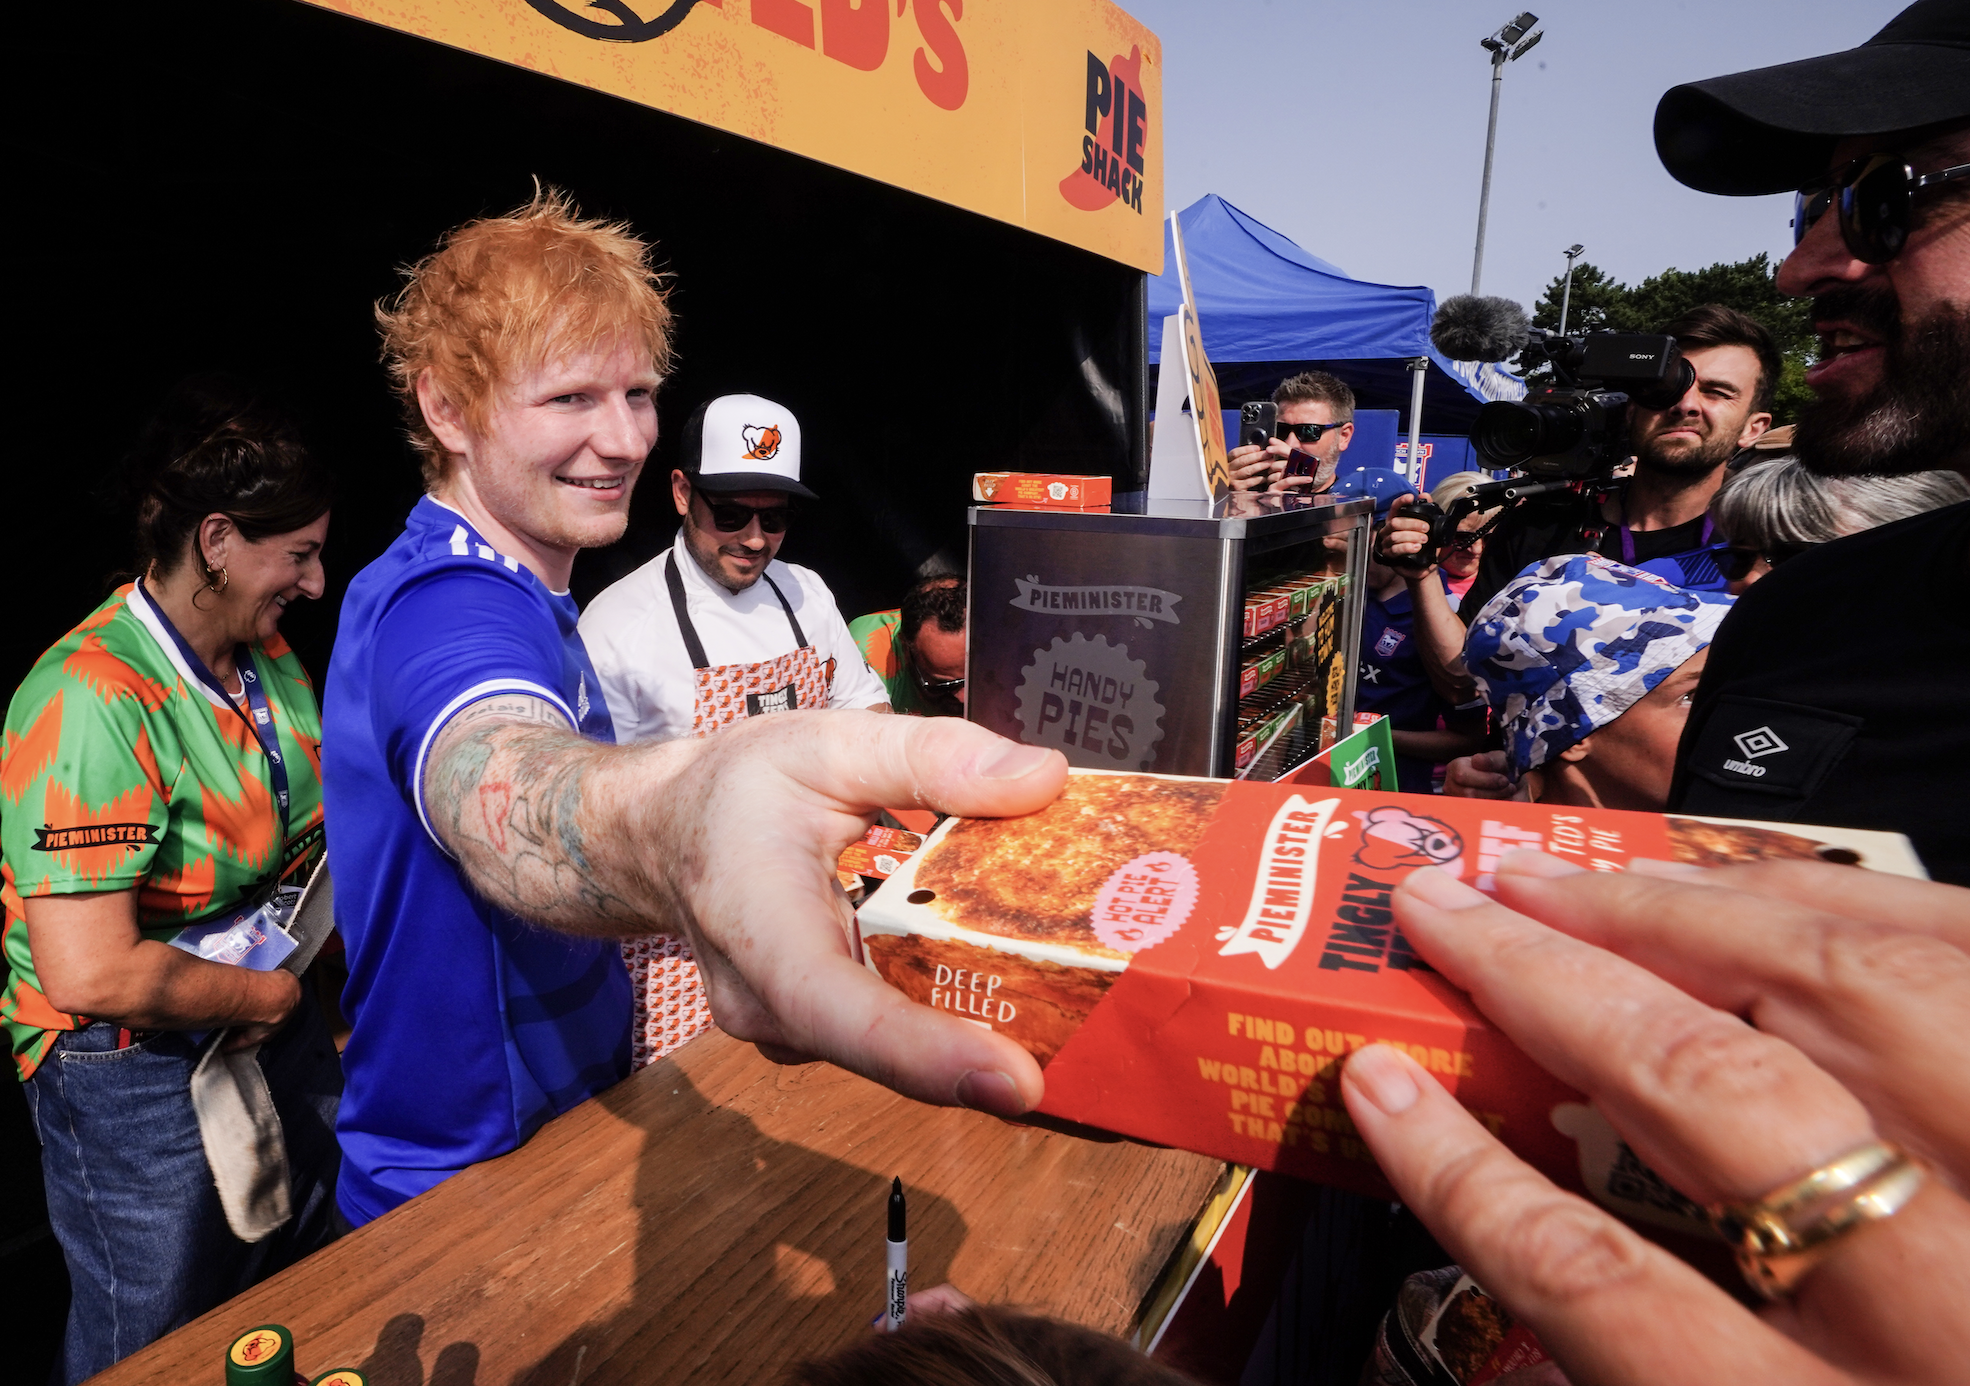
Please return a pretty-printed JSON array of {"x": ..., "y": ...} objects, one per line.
[
  {"x": 1692, "y": 464},
  {"x": 706, "y": 546},
  {"x": 1918, "y": 418}
]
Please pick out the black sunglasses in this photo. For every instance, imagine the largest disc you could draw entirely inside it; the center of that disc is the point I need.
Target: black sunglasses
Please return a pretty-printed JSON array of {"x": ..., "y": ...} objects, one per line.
[
  {"x": 939, "y": 688},
  {"x": 1309, "y": 432},
  {"x": 729, "y": 517},
  {"x": 1875, "y": 196},
  {"x": 1737, "y": 563}
]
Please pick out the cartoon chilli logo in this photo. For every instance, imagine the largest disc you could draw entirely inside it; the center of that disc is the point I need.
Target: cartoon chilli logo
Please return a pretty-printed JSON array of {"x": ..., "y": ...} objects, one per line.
[
  {"x": 1117, "y": 120},
  {"x": 761, "y": 442},
  {"x": 1392, "y": 838}
]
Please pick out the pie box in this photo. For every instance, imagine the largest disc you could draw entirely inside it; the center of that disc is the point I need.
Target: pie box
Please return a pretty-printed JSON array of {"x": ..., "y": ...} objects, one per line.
[
  {"x": 878, "y": 852},
  {"x": 1258, "y": 671},
  {"x": 1279, "y": 607},
  {"x": 1306, "y": 591},
  {"x": 1265, "y": 610},
  {"x": 1266, "y": 731},
  {"x": 1189, "y": 960},
  {"x": 1050, "y": 490},
  {"x": 1256, "y": 608}
]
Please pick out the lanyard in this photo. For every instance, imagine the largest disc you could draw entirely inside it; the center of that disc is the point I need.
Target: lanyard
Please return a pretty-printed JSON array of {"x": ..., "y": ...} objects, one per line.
[
  {"x": 261, "y": 723},
  {"x": 1628, "y": 536}
]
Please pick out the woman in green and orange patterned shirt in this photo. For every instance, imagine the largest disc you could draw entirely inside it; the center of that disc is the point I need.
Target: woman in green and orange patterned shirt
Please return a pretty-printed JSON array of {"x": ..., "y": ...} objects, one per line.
[{"x": 142, "y": 777}]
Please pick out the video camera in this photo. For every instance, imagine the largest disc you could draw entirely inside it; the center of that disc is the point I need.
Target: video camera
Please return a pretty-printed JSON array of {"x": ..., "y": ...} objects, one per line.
[
  {"x": 1579, "y": 427},
  {"x": 1565, "y": 434}
]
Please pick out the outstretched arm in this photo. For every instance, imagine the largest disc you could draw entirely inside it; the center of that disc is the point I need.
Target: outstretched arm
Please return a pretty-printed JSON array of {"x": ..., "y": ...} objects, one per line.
[
  {"x": 731, "y": 841},
  {"x": 538, "y": 819},
  {"x": 1440, "y": 639},
  {"x": 1439, "y": 633}
]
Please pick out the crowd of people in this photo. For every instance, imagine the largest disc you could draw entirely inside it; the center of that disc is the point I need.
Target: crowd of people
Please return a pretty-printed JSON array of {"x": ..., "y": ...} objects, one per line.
[{"x": 517, "y": 794}]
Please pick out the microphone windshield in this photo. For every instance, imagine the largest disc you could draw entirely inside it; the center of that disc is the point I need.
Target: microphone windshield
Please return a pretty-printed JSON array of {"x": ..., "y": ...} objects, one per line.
[{"x": 1470, "y": 328}]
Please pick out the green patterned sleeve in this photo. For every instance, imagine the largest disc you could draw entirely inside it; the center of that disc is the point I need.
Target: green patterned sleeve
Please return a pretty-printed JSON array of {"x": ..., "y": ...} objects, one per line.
[{"x": 83, "y": 805}]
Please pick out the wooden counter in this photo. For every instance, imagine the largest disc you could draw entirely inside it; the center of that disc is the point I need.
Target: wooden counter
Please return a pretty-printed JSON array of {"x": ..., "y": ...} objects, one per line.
[{"x": 713, "y": 1218}]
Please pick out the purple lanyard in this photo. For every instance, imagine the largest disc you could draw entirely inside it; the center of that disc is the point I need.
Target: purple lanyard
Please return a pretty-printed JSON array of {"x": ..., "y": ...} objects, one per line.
[
  {"x": 1628, "y": 538},
  {"x": 261, "y": 723}
]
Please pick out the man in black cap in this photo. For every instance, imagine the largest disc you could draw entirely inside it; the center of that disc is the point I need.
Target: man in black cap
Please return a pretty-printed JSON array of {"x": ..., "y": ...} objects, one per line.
[{"x": 1829, "y": 697}]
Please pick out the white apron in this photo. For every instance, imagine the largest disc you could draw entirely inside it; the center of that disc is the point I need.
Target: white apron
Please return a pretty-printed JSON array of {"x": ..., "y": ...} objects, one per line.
[{"x": 671, "y": 1007}]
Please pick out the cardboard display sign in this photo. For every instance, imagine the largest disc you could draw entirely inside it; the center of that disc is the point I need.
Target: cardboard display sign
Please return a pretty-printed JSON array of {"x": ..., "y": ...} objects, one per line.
[
  {"x": 1196, "y": 436},
  {"x": 1364, "y": 759},
  {"x": 1206, "y": 409},
  {"x": 1191, "y": 960},
  {"x": 1176, "y": 457}
]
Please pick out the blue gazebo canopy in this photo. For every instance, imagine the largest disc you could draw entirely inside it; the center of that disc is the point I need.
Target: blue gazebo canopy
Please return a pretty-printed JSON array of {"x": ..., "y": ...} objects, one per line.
[{"x": 1269, "y": 309}]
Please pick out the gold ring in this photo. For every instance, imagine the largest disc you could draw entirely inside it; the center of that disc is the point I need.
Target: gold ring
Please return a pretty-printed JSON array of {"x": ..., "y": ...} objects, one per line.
[{"x": 1783, "y": 1235}]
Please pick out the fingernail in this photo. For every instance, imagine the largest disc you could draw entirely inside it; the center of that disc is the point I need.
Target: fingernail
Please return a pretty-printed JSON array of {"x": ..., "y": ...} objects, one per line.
[
  {"x": 1530, "y": 861},
  {"x": 986, "y": 1090},
  {"x": 1681, "y": 870},
  {"x": 1435, "y": 886},
  {"x": 1383, "y": 1077},
  {"x": 1014, "y": 762}
]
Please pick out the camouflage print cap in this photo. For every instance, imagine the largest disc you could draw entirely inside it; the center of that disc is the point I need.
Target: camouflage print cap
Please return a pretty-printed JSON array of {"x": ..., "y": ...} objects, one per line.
[{"x": 1573, "y": 642}]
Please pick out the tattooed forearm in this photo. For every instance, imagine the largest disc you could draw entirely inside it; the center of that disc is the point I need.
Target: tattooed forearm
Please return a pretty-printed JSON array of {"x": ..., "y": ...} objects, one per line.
[{"x": 533, "y": 813}]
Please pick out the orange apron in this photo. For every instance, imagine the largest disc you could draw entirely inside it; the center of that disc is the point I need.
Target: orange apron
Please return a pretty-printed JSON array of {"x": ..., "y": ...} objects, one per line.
[{"x": 671, "y": 1007}]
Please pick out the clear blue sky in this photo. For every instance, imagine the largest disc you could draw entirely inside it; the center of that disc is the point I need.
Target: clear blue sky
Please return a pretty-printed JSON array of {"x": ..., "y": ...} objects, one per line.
[{"x": 1358, "y": 130}]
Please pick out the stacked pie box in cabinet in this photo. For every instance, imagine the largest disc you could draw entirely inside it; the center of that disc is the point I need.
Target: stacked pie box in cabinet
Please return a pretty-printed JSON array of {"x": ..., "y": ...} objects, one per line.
[{"x": 1176, "y": 637}]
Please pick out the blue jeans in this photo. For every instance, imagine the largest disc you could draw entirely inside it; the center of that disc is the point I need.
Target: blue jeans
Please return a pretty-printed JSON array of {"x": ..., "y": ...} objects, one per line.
[{"x": 131, "y": 1197}]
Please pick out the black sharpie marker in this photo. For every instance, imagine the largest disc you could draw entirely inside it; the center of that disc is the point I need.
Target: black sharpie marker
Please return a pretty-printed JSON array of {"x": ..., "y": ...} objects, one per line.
[{"x": 896, "y": 1285}]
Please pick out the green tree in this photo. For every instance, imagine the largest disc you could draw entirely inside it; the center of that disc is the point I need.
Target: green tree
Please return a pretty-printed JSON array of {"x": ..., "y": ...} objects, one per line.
[{"x": 1599, "y": 300}]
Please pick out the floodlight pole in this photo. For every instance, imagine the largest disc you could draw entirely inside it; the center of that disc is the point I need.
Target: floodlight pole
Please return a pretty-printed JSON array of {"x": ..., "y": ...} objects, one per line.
[
  {"x": 1499, "y": 55},
  {"x": 1566, "y": 295},
  {"x": 1508, "y": 45}
]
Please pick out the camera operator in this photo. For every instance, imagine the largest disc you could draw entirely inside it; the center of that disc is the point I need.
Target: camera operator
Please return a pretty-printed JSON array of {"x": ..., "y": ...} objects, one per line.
[
  {"x": 1658, "y": 519},
  {"x": 1828, "y": 699},
  {"x": 1403, "y": 671},
  {"x": 1316, "y": 419}
]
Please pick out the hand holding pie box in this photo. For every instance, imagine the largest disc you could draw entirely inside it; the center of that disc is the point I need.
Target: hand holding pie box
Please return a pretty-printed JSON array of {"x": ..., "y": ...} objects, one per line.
[{"x": 1190, "y": 960}]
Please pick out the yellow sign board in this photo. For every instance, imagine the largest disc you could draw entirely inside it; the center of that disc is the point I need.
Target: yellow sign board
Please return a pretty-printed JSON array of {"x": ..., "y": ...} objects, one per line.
[{"x": 1043, "y": 113}]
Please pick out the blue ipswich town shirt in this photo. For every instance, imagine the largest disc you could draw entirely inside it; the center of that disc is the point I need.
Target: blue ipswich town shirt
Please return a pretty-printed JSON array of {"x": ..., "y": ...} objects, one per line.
[
  {"x": 471, "y": 1028},
  {"x": 1393, "y": 681}
]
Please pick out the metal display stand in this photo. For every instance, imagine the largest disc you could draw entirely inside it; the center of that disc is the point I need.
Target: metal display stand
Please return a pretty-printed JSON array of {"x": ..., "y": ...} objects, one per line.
[{"x": 1118, "y": 636}]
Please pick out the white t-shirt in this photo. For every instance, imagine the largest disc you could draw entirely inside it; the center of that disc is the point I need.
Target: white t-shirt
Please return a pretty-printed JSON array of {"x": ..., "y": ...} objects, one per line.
[{"x": 632, "y": 638}]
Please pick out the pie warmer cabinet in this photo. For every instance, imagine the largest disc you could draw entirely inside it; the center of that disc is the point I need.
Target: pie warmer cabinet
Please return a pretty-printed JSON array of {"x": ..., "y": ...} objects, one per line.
[{"x": 1178, "y": 637}]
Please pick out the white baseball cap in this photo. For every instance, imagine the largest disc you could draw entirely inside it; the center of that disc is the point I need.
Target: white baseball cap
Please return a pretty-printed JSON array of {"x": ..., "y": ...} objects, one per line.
[{"x": 743, "y": 443}]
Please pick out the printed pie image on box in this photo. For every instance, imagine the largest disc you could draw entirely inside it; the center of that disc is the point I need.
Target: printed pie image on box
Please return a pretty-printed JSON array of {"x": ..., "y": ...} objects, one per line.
[
  {"x": 1015, "y": 943},
  {"x": 1190, "y": 960}
]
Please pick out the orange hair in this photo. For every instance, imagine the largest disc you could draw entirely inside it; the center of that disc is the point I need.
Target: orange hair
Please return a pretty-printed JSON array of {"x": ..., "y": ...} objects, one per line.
[{"x": 501, "y": 295}]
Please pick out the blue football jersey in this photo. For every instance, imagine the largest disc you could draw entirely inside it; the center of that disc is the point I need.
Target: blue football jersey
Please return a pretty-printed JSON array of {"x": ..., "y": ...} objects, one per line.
[
  {"x": 471, "y": 1027},
  {"x": 1391, "y": 680}
]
